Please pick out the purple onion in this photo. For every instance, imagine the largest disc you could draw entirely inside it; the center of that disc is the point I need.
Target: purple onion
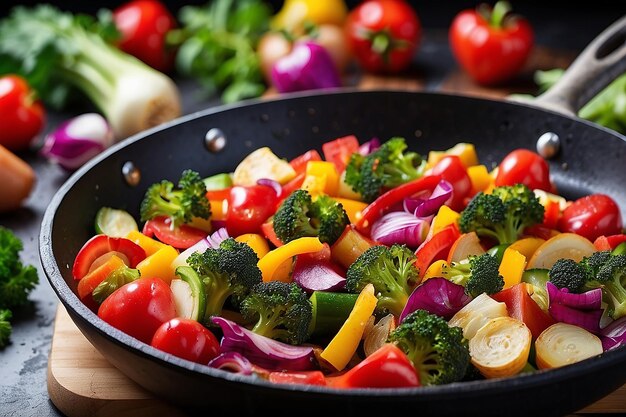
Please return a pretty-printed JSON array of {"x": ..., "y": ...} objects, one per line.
[
  {"x": 271, "y": 183},
  {"x": 232, "y": 362},
  {"x": 211, "y": 241},
  {"x": 437, "y": 296},
  {"x": 77, "y": 140},
  {"x": 316, "y": 275},
  {"x": 263, "y": 351},
  {"x": 423, "y": 205},
  {"x": 587, "y": 319},
  {"x": 308, "y": 67},
  {"x": 614, "y": 335},
  {"x": 582, "y": 310},
  {"x": 370, "y": 146},
  {"x": 217, "y": 237},
  {"x": 400, "y": 227}
]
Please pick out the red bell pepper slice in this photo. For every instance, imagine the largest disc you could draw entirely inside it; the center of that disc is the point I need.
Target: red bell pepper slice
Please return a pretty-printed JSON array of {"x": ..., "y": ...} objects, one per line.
[
  {"x": 377, "y": 208},
  {"x": 99, "y": 248},
  {"x": 609, "y": 242},
  {"x": 292, "y": 186},
  {"x": 299, "y": 163},
  {"x": 338, "y": 151},
  {"x": 270, "y": 234},
  {"x": 181, "y": 237},
  {"x": 522, "y": 307},
  {"x": 301, "y": 377},
  {"x": 436, "y": 248},
  {"x": 388, "y": 367},
  {"x": 551, "y": 214}
]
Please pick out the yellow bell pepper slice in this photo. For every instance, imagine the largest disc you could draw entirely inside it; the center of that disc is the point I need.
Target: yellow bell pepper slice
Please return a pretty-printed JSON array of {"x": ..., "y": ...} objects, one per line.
[
  {"x": 314, "y": 184},
  {"x": 149, "y": 245},
  {"x": 480, "y": 178},
  {"x": 465, "y": 151},
  {"x": 353, "y": 208},
  {"x": 295, "y": 13},
  {"x": 434, "y": 270},
  {"x": 159, "y": 264},
  {"x": 341, "y": 349},
  {"x": 512, "y": 267},
  {"x": 274, "y": 258},
  {"x": 325, "y": 169},
  {"x": 445, "y": 216},
  {"x": 219, "y": 208},
  {"x": 257, "y": 242}
]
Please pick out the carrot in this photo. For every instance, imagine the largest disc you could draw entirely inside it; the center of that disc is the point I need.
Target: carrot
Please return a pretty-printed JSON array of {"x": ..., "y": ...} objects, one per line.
[{"x": 17, "y": 179}]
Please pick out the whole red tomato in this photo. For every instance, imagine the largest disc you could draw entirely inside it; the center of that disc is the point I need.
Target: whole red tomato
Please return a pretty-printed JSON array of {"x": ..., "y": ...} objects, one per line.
[
  {"x": 522, "y": 166},
  {"x": 491, "y": 45},
  {"x": 21, "y": 116},
  {"x": 186, "y": 339},
  {"x": 591, "y": 217},
  {"x": 144, "y": 25},
  {"x": 383, "y": 34},
  {"x": 249, "y": 207},
  {"x": 451, "y": 169},
  {"x": 139, "y": 308}
]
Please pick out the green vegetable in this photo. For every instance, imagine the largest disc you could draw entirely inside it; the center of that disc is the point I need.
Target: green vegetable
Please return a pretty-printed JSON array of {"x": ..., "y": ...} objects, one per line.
[
  {"x": 115, "y": 280},
  {"x": 503, "y": 214},
  {"x": 479, "y": 274},
  {"x": 538, "y": 277},
  {"x": 282, "y": 311},
  {"x": 114, "y": 222},
  {"x": 193, "y": 297},
  {"x": 609, "y": 275},
  {"x": 330, "y": 311},
  {"x": 439, "y": 353},
  {"x": 228, "y": 272},
  {"x": 180, "y": 205},
  {"x": 217, "y": 46},
  {"x": 16, "y": 280},
  {"x": 387, "y": 167},
  {"x": 58, "y": 52},
  {"x": 300, "y": 216},
  {"x": 391, "y": 270},
  {"x": 218, "y": 182},
  {"x": 567, "y": 273}
]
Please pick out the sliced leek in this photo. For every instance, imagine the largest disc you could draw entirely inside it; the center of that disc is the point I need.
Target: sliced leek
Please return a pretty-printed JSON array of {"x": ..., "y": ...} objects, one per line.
[
  {"x": 476, "y": 314},
  {"x": 563, "y": 344},
  {"x": 500, "y": 348}
]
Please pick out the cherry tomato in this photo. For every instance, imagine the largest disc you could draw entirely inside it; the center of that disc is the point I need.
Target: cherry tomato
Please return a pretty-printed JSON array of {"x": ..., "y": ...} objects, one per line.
[
  {"x": 97, "y": 250},
  {"x": 249, "y": 207},
  {"x": 451, "y": 169},
  {"x": 180, "y": 237},
  {"x": 591, "y": 217},
  {"x": 491, "y": 46},
  {"x": 139, "y": 308},
  {"x": 383, "y": 34},
  {"x": 186, "y": 339},
  {"x": 144, "y": 25},
  {"x": 524, "y": 167},
  {"x": 21, "y": 116}
]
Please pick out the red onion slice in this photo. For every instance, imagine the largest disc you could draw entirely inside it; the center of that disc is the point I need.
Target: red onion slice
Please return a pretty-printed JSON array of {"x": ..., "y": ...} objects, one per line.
[
  {"x": 400, "y": 227},
  {"x": 278, "y": 189},
  {"x": 423, "y": 205},
  {"x": 232, "y": 362},
  {"x": 437, "y": 296}
]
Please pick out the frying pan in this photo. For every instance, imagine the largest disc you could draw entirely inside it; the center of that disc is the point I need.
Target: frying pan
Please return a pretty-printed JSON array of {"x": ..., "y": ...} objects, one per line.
[{"x": 589, "y": 159}]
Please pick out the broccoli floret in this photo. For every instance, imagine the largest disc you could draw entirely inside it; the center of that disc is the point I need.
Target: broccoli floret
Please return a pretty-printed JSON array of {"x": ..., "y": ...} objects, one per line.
[
  {"x": 229, "y": 270},
  {"x": 5, "y": 327},
  {"x": 387, "y": 167},
  {"x": 391, "y": 270},
  {"x": 283, "y": 311},
  {"x": 180, "y": 205},
  {"x": 439, "y": 353},
  {"x": 591, "y": 264},
  {"x": 300, "y": 216},
  {"x": 478, "y": 275},
  {"x": 503, "y": 214},
  {"x": 567, "y": 273},
  {"x": 611, "y": 277}
]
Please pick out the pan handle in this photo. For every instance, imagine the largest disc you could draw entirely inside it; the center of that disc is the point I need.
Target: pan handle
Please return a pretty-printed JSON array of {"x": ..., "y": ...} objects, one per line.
[{"x": 601, "y": 62}]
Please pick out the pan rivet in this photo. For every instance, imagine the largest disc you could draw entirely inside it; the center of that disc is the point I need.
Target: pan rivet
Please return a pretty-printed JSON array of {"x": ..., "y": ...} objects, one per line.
[
  {"x": 548, "y": 145},
  {"x": 215, "y": 140},
  {"x": 131, "y": 173}
]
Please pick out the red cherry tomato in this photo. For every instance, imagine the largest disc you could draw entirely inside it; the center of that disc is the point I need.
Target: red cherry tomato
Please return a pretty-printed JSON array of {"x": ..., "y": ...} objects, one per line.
[
  {"x": 592, "y": 216},
  {"x": 139, "y": 308},
  {"x": 383, "y": 34},
  {"x": 180, "y": 237},
  {"x": 491, "y": 47},
  {"x": 99, "y": 249},
  {"x": 144, "y": 25},
  {"x": 21, "y": 116},
  {"x": 186, "y": 339},
  {"x": 451, "y": 169},
  {"x": 249, "y": 207},
  {"x": 524, "y": 167}
]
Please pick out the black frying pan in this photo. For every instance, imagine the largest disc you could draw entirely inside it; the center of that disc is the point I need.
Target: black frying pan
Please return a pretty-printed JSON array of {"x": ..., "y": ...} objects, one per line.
[{"x": 590, "y": 159}]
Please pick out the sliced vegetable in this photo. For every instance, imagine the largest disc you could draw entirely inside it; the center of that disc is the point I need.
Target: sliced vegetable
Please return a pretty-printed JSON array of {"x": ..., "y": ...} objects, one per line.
[
  {"x": 232, "y": 362},
  {"x": 376, "y": 336},
  {"x": 512, "y": 267},
  {"x": 159, "y": 264},
  {"x": 313, "y": 274},
  {"x": 270, "y": 262},
  {"x": 181, "y": 237},
  {"x": 101, "y": 247},
  {"x": 401, "y": 228},
  {"x": 116, "y": 279},
  {"x": 476, "y": 314},
  {"x": 527, "y": 246},
  {"x": 350, "y": 245},
  {"x": 353, "y": 208},
  {"x": 301, "y": 377},
  {"x": 218, "y": 182},
  {"x": 501, "y": 347},
  {"x": 468, "y": 244},
  {"x": 436, "y": 248},
  {"x": 256, "y": 242},
  {"x": 453, "y": 172},
  {"x": 564, "y": 344},
  {"x": 330, "y": 311},
  {"x": 522, "y": 307},
  {"x": 262, "y": 163},
  {"x": 614, "y": 335},
  {"x": 189, "y": 294},
  {"x": 115, "y": 222},
  {"x": 609, "y": 242},
  {"x": 263, "y": 351},
  {"x": 299, "y": 163},
  {"x": 446, "y": 216},
  {"x": 437, "y": 296},
  {"x": 95, "y": 276},
  {"x": 583, "y": 310},
  {"x": 295, "y": 14},
  {"x": 564, "y": 245},
  {"x": 338, "y": 151}
]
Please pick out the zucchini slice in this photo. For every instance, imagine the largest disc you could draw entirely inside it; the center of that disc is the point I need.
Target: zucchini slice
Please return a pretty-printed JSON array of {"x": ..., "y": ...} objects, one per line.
[
  {"x": 114, "y": 222},
  {"x": 189, "y": 294}
]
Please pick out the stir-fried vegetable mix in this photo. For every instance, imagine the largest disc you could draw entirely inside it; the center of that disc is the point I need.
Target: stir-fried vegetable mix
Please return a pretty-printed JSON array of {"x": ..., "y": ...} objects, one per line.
[{"x": 327, "y": 268}]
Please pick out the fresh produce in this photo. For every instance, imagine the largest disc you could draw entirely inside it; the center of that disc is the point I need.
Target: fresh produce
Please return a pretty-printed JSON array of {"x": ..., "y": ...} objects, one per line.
[
  {"x": 296, "y": 14},
  {"x": 563, "y": 344},
  {"x": 17, "y": 179},
  {"x": 522, "y": 166},
  {"x": 78, "y": 140},
  {"x": 143, "y": 25},
  {"x": 16, "y": 281},
  {"x": 491, "y": 44},
  {"x": 592, "y": 216},
  {"x": 57, "y": 51},
  {"x": 383, "y": 35},
  {"x": 20, "y": 109},
  {"x": 186, "y": 339},
  {"x": 216, "y": 44},
  {"x": 310, "y": 286}
]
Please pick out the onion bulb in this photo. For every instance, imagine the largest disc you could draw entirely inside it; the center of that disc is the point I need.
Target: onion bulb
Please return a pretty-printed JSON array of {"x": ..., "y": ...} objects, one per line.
[
  {"x": 563, "y": 344},
  {"x": 476, "y": 314},
  {"x": 376, "y": 336}
]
